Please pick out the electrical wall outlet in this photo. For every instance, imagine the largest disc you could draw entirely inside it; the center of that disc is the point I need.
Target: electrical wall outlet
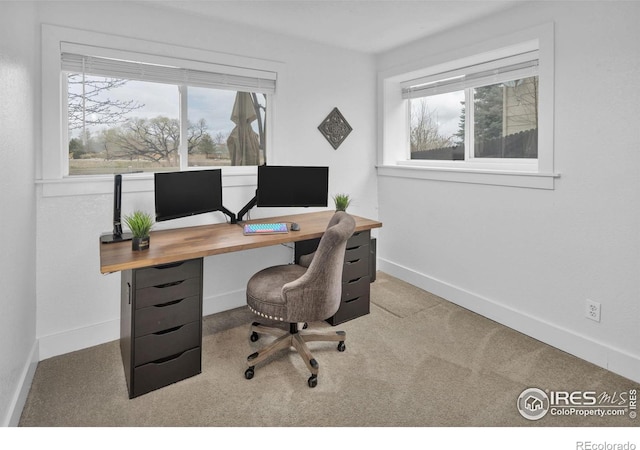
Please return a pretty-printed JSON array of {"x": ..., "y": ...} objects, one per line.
[{"x": 592, "y": 310}]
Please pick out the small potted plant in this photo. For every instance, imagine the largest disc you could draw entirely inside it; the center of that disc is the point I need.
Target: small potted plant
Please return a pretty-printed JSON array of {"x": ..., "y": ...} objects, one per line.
[
  {"x": 140, "y": 224},
  {"x": 342, "y": 201}
]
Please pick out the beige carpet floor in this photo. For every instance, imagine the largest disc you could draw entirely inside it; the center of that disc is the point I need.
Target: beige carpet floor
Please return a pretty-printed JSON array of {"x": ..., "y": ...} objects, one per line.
[{"x": 415, "y": 361}]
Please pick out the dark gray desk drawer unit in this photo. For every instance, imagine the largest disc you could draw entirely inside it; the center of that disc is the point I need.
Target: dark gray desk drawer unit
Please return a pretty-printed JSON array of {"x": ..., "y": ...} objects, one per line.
[
  {"x": 161, "y": 325},
  {"x": 355, "y": 275}
]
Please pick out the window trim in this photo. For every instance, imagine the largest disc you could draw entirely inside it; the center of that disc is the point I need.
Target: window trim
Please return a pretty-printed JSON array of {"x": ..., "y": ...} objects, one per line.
[
  {"x": 393, "y": 148},
  {"x": 50, "y": 166}
]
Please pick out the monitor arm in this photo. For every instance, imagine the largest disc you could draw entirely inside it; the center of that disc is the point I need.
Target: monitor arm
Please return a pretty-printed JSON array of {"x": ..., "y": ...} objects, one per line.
[
  {"x": 231, "y": 215},
  {"x": 247, "y": 207}
]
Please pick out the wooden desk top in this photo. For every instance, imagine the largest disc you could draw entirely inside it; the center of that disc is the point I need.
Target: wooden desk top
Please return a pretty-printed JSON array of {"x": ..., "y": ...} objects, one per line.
[{"x": 180, "y": 244}]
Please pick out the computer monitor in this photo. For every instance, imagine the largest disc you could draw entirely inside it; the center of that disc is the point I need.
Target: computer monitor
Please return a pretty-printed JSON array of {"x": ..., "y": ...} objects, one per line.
[
  {"x": 292, "y": 186},
  {"x": 289, "y": 186},
  {"x": 183, "y": 194}
]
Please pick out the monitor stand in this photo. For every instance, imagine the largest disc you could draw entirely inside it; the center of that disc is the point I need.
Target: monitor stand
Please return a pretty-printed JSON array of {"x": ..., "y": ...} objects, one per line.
[{"x": 110, "y": 238}]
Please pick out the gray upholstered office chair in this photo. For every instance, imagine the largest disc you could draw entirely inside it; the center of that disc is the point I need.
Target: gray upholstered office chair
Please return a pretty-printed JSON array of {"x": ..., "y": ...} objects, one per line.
[{"x": 301, "y": 293}]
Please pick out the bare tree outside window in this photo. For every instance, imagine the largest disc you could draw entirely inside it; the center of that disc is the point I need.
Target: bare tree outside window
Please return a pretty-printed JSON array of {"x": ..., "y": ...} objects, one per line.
[
  {"x": 425, "y": 130},
  {"x": 154, "y": 140},
  {"x": 434, "y": 125},
  {"x": 89, "y": 105}
]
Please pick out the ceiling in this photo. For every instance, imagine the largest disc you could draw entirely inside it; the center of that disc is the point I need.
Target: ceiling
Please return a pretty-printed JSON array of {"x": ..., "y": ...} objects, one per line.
[{"x": 370, "y": 26}]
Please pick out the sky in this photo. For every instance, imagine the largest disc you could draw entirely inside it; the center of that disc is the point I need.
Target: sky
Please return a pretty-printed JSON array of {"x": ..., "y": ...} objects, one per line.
[{"x": 447, "y": 109}]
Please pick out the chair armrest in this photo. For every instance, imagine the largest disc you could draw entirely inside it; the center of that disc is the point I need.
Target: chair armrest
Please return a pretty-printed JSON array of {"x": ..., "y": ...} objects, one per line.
[{"x": 305, "y": 260}]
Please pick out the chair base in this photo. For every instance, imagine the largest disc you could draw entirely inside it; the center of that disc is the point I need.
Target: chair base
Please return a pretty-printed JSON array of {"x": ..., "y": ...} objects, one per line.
[{"x": 293, "y": 338}]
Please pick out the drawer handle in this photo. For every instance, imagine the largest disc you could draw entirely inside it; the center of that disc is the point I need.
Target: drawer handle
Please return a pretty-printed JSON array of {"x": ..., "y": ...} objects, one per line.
[
  {"x": 355, "y": 280},
  {"x": 166, "y": 285},
  {"x": 173, "y": 302},
  {"x": 168, "y": 358},
  {"x": 170, "y": 265},
  {"x": 170, "y": 330},
  {"x": 353, "y": 300},
  {"x": 354, "y": 261}
]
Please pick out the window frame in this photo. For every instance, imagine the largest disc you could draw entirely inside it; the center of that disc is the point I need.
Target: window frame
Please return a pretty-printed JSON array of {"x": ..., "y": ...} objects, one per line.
[
  {"x": 394, "y": 157},
  {"x": 52, "y": 164}
]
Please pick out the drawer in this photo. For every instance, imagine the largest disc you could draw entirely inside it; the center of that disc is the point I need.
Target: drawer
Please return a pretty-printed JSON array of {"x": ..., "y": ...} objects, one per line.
[
  {"x": 162, "y": 344},
  {"x": 168, "y": 315},
  {"x": 358, "y": 239},
  {"x": 355, "y": 269},
  {"x": 168, "y": 273},
  {"x": 355, "y": 288},
  {"x": 160, "y": 373},
  {"x": 351, "y": 309},
  {"x": 163, "y": 293},
  {"x": 354, "y": 254}
]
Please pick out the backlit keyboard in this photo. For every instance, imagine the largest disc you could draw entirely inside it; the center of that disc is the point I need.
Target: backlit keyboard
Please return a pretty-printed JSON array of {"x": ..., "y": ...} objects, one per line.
[{"x": 265, "y": 228}]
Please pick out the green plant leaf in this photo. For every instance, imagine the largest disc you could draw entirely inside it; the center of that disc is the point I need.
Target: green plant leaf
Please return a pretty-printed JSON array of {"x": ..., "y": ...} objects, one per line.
[
  {"x": 140, "y": 223},
  {"x": 342, "y": 201}
]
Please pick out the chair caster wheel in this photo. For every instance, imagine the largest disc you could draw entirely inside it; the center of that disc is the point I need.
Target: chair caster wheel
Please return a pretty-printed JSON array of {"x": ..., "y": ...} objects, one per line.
[
  {"x": 254, "y": 336},
  {"x": 248, "y": 374},
  {"x": 341, "y": 346},
  {"x": 313, "y": 381}
]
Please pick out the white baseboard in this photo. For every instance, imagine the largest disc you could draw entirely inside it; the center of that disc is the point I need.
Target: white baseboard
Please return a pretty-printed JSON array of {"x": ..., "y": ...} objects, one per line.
[
  {"x": 72, "y": 340},
  {"x": 14, "y": 412},
  {"x": 223, "y": 302},
  {"x": 584, "y": 347}
]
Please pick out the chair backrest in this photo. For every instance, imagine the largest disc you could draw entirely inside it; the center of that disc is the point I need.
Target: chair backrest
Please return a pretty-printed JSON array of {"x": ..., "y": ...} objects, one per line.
[{"x": 316, "y": 295}]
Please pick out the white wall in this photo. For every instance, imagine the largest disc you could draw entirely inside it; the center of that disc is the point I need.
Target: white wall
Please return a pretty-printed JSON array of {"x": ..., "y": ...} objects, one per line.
[
  {"x": 525, "y": 257},
  {"x": 77, "y": 306},
  {"x": 18, "y": 88}
]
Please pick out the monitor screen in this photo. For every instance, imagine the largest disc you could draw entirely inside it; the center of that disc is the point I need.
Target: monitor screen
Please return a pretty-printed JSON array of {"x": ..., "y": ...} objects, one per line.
[
  {"x": 291, "y": 186},
  {"x": 182, "y": 194}
]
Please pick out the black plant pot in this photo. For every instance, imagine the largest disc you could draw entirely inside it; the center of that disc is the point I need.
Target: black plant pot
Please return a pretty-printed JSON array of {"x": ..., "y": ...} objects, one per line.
[{"x": 140, "y": 243}]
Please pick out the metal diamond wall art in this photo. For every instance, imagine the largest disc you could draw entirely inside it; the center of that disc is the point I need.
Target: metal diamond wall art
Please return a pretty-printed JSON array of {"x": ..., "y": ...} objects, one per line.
[{"x": 335, "y": 128}]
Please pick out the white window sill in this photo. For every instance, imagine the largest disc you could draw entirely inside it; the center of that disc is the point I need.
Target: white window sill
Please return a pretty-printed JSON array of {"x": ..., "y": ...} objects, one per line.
[
  {"x": 137, "y": 182},
  {"x": 531, "y": 180}
]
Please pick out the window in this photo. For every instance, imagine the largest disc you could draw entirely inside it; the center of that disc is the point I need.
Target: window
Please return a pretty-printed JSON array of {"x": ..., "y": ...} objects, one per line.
[
  {"x": 436, "y": 126},
  {"x": 186, "y": 72},
  {"x": 500, "y": 123},
  {"x": 128, "y": 116},
  {"x": 484, "y": 117}
]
